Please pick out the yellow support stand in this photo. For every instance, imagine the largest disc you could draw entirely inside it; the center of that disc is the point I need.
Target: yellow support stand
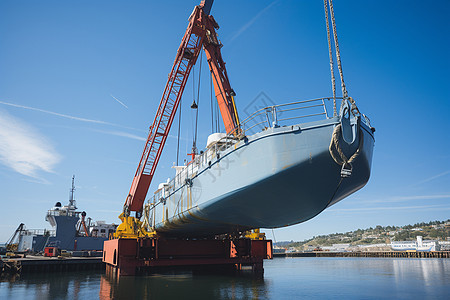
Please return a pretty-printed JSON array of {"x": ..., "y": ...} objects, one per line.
[
  {"x": 255, "y": 234},
  {"x": 132, "y": 227}
]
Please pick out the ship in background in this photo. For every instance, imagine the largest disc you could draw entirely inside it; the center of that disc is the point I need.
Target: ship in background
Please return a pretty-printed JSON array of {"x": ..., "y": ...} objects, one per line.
[{"x": 71, "y": 230}]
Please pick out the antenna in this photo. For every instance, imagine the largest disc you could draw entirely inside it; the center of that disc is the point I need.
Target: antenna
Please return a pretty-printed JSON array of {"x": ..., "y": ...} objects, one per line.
[{"x": 72, "y": 201}]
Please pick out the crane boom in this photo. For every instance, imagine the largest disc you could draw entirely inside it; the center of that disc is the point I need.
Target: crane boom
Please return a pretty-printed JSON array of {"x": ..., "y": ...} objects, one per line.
[
  {"x": 10, "y": 244},
  {"x": 223, "y": 91},
  {"x": 184, "y": 61},
  {"x": 200, "y": 32}
]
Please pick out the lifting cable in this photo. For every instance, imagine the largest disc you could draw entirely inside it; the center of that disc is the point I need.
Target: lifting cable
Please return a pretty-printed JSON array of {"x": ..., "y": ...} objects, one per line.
[
  {"x": 336, "y": 44},
  {"x": 212, "y": 107},
  {"x": 330, "y": 52},
  {"x": 273, "y": 234},
  {"x": 335, "y": 150},
  {"x": 193, "y": 106},
  {"x": 217, "y": 117},
  {"x": 179, "y": 129},
  {"x": 198, "y": 102}
]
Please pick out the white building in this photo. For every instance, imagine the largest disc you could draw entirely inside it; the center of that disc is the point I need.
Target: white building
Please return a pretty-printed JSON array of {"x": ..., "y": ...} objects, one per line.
[{"x": 418, "y": 245}]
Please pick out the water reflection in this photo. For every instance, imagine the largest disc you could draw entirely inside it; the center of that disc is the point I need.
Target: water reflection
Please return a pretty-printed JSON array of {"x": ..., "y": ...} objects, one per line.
[
  {"x": 427, "y": 271},
  {"x": 183, "y": 286},
  {"x": 50, "y": 285},
  {"x": 290, "y": 278}
]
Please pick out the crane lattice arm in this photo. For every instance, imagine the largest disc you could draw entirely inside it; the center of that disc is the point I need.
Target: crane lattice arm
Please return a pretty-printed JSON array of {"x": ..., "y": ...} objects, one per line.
[
  {"x": 11, "y": 244},
  {"x": 200, "y": 32}
]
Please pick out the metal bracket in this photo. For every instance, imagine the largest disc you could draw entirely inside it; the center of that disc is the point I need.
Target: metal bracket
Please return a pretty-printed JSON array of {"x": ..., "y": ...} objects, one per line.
[
  {"x": 346, "y": 170},
  {"x": 189, "y": 182},
  {"x": 126, "y": 210},
  {"x": 138, "y": 215}
]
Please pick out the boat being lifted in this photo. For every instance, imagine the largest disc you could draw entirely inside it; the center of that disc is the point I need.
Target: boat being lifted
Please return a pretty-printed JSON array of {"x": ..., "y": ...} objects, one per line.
[
  {"x": 281, "y": 166},
  {"x": 277, "y": 173}
]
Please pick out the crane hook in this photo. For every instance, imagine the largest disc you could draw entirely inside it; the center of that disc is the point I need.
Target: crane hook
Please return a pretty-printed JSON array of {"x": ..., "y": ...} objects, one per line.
[{"x": 194, "y": 105}]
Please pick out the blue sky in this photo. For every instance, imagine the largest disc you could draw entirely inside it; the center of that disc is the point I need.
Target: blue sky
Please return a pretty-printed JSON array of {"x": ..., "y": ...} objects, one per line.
[{"x": 80, "y": 84}]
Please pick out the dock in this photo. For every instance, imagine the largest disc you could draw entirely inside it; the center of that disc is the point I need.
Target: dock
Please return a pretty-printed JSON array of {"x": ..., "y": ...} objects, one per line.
[
  {"x": 32, "y": 263},
  {"x": 392, "y": 254}
]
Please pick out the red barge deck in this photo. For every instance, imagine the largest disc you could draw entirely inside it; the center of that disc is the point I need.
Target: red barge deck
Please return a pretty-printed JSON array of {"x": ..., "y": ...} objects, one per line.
[{"x": 128, "y": 257}]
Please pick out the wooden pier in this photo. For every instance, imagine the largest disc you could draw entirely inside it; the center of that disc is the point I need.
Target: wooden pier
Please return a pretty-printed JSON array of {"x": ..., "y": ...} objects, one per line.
[
  {"x": 31, "y": 263},
  {"x": 392, "y": 254}
]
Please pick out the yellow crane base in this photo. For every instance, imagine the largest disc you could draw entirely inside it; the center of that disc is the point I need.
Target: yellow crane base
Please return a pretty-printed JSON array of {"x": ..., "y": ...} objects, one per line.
[{"x": 132, "y": 227}]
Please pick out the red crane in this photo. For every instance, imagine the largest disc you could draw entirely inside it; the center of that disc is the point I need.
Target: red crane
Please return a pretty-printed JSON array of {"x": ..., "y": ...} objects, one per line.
[
  {"x": 201, "y": 32},
  {"x": 134, "y": 248}
]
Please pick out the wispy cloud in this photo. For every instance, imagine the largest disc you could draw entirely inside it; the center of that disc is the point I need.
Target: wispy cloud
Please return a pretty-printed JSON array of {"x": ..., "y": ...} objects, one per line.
[
  {"x": 117, "y": 133},
  {"x": 122, "y": 134},
  {"x": 24, "y": 149},
  {"x": 133, "y": 136},
  {"x": 120, "y": 102},
  {"x": 407, "y": 198},
  {"x": 64, "y": 115},
  {"x": 56, "y": 114},
  {"x": 250, "y": 23},
  {"x": 384, "y": 208},
  {"x": 434, "y": 177},
  {"x": 420, "y": 197}
]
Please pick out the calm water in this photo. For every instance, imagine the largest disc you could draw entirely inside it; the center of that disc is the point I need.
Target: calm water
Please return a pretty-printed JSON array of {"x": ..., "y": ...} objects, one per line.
[{"x": 284, "y": 278}]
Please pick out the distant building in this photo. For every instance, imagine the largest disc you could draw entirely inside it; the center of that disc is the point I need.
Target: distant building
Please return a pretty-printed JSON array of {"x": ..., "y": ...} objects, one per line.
[
  {"x": 394, "y": 232},
  {"x": 278, "y": 250},
  {"x": 370, "y": 236},
  {"x": 438, "y": 226},
  {"x": 291, "y": 250},
  {"x": 336, "y": 247},
  {"x": 309, "y": 248},
  {"x": 444, "y": 245},
  {"x": 372, "y": 248},
  {"x": 418, "y": 245},
  {"x": 340, "y": 247}
]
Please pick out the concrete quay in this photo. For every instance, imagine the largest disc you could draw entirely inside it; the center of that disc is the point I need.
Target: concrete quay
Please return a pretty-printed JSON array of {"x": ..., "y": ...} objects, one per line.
[{"x": 32, "y": 263}]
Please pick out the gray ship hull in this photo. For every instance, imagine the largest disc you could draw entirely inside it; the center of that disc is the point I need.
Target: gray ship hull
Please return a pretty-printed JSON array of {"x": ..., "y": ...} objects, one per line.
[{"x": 275, "y": 178}]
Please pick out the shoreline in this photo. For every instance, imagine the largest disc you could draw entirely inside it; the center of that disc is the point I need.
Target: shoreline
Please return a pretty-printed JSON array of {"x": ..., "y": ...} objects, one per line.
[{"x": 387, "y": 254}]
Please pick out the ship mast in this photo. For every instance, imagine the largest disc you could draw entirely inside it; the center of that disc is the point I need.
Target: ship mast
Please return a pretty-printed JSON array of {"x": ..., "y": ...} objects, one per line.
[{"x": 72, "y": 202}]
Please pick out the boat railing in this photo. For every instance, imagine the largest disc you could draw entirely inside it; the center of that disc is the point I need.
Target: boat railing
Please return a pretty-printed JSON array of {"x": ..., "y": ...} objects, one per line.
[
  {"x": 44, "y": 232},
  {"x": 63, "y": 212},
  {"x": 261, "y": 119},
  {"x": 279, "y": 115}
]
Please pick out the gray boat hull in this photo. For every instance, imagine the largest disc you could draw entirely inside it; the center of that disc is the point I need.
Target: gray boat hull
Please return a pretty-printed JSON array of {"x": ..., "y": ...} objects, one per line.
[{"x": 275, "y": 178}]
